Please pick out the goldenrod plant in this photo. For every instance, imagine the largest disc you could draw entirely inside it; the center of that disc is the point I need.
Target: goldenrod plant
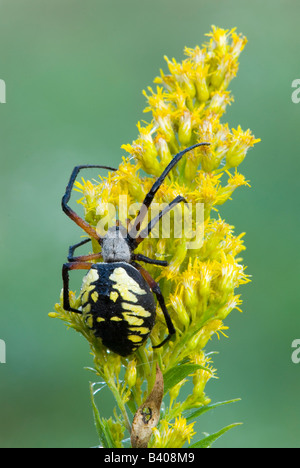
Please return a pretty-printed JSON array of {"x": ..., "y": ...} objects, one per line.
[{"x": 164, "y": 388}]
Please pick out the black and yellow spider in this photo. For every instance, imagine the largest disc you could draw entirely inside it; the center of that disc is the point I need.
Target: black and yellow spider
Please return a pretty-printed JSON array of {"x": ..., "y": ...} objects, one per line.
[{"x": 117, "y": 299}]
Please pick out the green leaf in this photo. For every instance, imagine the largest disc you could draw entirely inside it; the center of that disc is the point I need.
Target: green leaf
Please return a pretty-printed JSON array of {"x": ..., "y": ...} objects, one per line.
[
  {"x": 176, "y": 374},
  {"x": 209, "y": 440},
  {"x": 206, "y": 408},
  {"x": 131, "y": 404},
  {"x": 102, "y": 428}
]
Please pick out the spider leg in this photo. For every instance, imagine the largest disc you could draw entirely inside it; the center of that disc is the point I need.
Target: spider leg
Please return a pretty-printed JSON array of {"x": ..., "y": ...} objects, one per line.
[
  {"x": 142, "y": 258},
  {"x": 145, "y": 232},
  {"x": 66, "y": 198},
  {"x": 65, "y": 274},
  {"x": 82, "y": 258},
  {"x": 74, "y": 247},
  {"x": 151, "y": 194},
  {"x": 156, "y": 290}
]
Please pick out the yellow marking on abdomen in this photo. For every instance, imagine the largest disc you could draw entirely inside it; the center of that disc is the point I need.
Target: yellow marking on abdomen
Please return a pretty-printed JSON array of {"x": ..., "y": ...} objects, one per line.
[
  {"x": 132, "y": 319},
  {"x": 95, "y": 296},
  {"x": 87, "y": 287},
  {"x": 135, "y": 338},
  {"x": 142, "y": 330},
  {"x": 116, "y": 319},
  {"x": 86, "y": 292},
  {"x": 127, "y": 286},
  {"x": 136, "y": 309},
  {"x": 91, "y": 277},
  {"x": 113, "y": 296}
]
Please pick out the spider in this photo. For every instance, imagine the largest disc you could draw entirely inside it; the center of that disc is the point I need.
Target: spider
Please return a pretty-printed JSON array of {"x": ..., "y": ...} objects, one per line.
[{"x": 117, "y": 293}]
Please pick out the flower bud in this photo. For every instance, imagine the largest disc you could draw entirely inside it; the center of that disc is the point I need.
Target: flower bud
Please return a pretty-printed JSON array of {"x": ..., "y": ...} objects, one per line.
[
  {"x": 174, "y": 391},
  {"x": 235, "y": 156},
  {"x": 217, "y": 78},
  {"x": 166, "y": 127},
  {"x": 189, "y": 87},
  {"x": 202, "y": 90},
  {"x": 131, "y": 373},
  {"x": 191, "y": 168},
  {"x": 177, "y": 303},
  {"x": 185, "y": 129},
  {"x": 164, "y": 151}
]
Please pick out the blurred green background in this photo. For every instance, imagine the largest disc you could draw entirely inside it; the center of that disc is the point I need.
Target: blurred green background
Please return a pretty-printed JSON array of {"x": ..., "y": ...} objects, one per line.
[{"x": 74, "y": 73}]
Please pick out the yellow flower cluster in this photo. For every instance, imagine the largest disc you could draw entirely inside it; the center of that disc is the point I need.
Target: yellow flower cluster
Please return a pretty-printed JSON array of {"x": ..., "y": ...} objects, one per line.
[
  {"x": 173, "y": 435},
  {"x": 200, "y": 283}
]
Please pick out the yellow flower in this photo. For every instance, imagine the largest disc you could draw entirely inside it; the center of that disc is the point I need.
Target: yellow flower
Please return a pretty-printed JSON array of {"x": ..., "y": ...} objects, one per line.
[
  {"x": 238, "y": 146},
  {"x": 156, "y": 100},
  {"x": 219, "y": 40},
  {"x": 234, "y": 181},
  {"x": 173, "y": 435}
]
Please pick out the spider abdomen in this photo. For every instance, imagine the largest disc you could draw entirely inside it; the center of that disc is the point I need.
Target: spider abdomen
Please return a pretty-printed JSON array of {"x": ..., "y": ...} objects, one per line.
[{"x": 118, "y": 306}]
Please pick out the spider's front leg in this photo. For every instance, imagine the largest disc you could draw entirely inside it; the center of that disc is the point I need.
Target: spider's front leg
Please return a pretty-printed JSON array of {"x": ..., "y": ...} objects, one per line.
[
  {"x": 145, "y": 232},
  {"x": 152, "y": 192},
  {"x": 66, "y": 198}
]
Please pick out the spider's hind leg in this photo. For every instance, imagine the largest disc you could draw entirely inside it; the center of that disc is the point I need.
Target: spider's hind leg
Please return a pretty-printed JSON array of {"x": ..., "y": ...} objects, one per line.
[
  {"x": 154, "y": 286},
  {"x": 65, "y": 274}
]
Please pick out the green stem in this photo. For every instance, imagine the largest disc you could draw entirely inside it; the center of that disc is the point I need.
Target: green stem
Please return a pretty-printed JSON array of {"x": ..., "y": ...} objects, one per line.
[{"x": 145, "y": 364}]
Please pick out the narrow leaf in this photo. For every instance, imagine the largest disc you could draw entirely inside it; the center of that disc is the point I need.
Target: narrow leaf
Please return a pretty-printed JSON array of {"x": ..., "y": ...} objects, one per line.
[
  {"x": 209, "y": 440},
  {"x": 102, "y": 430},
  {"x": 176, "y": 374},
  {"x": 206, "y": 408}
]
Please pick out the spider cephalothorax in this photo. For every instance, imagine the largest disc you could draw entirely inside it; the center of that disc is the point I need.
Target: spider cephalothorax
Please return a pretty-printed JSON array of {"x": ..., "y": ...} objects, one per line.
[
  {"x": 115, "y": 247},
  {"x": 117, "y": 299}
]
